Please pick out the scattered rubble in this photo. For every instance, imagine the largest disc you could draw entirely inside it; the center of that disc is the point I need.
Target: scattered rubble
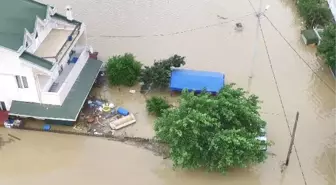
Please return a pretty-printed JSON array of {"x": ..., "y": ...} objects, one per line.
[{"x": 102, "y": 117}]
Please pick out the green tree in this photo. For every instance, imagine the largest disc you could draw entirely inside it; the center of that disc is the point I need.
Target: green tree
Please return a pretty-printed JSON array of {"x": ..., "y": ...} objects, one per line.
[
  {"x": 314, "y": 12},
  {"x": 156, "y": 105},
  {"x": 158, "y": 75},
  {"x": 123, "y": 70},
  {"x": 327, "y": 47},
  {"x": 213, "y": 132}
]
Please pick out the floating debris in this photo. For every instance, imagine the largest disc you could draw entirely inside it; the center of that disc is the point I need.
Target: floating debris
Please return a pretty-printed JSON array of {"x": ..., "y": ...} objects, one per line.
[
  {"x": 221, "y": 17},
  {"x": 239, "y": 27},
  {"x": 14, "y": 137}
]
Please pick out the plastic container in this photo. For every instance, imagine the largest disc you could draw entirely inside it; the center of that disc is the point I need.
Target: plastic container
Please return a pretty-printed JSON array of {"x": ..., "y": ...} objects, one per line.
[
  {"x": 74, "y": 60},
  {"x": 46, "y": 127},
  {"x": 122, "y": 111},
  {"x": 69, "y": 38}
]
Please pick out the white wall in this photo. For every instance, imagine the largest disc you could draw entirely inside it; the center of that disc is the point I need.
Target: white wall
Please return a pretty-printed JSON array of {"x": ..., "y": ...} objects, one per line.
[
  {"x": 9, "y": 61},
  {"x": 11, "y": 65},
  {"x": 8, "y": 89}
]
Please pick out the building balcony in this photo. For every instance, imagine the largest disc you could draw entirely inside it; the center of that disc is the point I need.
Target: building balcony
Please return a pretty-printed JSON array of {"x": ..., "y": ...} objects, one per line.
[
  {"x": 55, "y": 91},
  {"x": 58, "y": 43}
]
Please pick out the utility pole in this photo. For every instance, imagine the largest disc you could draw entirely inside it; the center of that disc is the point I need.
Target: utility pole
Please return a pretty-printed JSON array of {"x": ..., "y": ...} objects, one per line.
[
  {"x": 292, "y": 139},
  {"x": 258, "y": 14}
]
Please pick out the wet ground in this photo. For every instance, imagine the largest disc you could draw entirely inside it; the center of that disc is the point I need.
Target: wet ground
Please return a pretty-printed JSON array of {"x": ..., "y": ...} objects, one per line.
[{"x": 156, "y": 29}]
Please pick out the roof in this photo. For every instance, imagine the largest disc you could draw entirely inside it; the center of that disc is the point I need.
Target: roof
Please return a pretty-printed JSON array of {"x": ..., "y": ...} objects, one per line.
[
  {"x": 196, "y": 80},
  {"x": 310, "y": 36},
  {"x": 15, "y": 17},
  {"x": 72, "y": 104},
  {"x": 37, "y": 60}
]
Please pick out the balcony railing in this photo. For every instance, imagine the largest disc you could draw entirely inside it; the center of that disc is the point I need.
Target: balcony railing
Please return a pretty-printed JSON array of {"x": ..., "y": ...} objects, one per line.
[
  {"x": 50, "y": 98},
  {"x": 57, "y": 98},
  {"x": 74, "y": 34}
]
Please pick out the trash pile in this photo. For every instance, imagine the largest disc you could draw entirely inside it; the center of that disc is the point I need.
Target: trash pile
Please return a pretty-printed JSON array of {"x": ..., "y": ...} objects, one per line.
[
  {"x": 102, "y": 117},
  {"x": 10, "y": 123}
]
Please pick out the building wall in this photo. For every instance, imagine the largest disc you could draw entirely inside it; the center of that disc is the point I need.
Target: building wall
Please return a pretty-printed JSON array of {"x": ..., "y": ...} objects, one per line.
[
  {"x": 11, "y": 65},
  {"x": 42, "y": 34}
]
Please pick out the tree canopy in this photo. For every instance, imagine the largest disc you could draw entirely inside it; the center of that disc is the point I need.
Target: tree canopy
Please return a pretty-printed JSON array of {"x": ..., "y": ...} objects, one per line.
[
  {"x": 123, "y": 70},
  {"x": 213, "y": 132},
  {"x": 314, "y": 12},
  {"x": 327, "y": 47},
  {"x": 158, "y": 75}
]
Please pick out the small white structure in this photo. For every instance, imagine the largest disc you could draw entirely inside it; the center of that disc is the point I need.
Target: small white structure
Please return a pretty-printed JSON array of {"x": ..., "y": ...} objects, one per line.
[
  {"x": 45, "y": 70},
  {"x": 332, "y": 6},
  {"x": 69, "y": 13}
]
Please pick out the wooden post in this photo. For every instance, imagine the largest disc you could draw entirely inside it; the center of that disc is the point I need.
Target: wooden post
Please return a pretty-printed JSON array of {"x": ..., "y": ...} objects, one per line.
[{"x": 292, "y": 140}]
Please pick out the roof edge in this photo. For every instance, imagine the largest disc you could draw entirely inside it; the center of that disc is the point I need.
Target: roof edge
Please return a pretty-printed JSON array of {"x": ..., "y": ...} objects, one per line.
[
  {"x": 37, "y": 57},
  {"x": 65, "y": 18}
]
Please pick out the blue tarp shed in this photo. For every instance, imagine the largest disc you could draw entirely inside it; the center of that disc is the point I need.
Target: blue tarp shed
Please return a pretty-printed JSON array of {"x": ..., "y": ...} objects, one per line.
[{"x": 196, "y": 80}]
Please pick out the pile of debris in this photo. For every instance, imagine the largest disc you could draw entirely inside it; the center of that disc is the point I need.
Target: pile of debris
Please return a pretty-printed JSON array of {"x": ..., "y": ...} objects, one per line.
[{"x": 102, "y": 117}]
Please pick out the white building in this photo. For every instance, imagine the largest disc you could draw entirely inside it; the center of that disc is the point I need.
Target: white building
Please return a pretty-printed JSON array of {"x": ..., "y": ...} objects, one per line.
[{"x": 45, "y": 69}]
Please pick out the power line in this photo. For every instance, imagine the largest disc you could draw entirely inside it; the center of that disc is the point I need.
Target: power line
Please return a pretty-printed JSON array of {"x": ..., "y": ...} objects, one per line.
[
  {"x": 281, "y": 101},
  {"x": 174, "y": 33},
  {"x": 297, "y": 53},
  {"x": 320, "y": 78},
  {"x": 277, "y": 87}
]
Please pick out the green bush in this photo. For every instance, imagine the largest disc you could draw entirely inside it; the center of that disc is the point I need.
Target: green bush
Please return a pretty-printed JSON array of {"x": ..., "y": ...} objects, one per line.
[
  {"x": 123, "y": 70},
  {"x": 214, "y": 132},
  {"x": 156, "y": 105},
  {"x": 327, "y": 47},
  {"x": 158, "y": 75},
  {"x": 314, "y": 12}
]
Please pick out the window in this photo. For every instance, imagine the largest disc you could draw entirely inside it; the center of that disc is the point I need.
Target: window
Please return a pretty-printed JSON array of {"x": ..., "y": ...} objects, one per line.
[
  {"x": 25, "y": 82},
  {"x": 18, "y": 81},
  {"x": 27, "y": 44},
  {"x": 21, "y": 81},
  {"x": 3, "y": 106},
  {"x": 36, "y": 35}
]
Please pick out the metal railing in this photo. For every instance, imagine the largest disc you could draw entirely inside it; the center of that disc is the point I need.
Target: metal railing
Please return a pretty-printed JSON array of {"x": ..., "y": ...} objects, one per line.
[{"x": 65, "y": 47}]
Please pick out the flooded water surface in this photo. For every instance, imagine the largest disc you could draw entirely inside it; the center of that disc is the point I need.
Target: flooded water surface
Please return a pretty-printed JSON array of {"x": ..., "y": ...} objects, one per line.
[{"x": 203, "y": 31}]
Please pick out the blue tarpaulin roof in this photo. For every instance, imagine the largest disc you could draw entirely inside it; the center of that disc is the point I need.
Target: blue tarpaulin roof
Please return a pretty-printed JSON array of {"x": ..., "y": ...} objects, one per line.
[{"x": 196, "y": 80}]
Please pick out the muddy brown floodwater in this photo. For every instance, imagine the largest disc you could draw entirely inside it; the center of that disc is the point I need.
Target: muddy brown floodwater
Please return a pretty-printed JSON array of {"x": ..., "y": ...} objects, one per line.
[{"x": 156, "y": 29}]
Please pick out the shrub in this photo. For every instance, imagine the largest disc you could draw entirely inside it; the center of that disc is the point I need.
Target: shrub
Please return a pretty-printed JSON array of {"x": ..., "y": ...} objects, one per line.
[
  {"x": 123, "y": 70},
  {"x": 327, "y": 47},
  {"x": 314, "y": 12},
  {"x": 156, "y": 105}
]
